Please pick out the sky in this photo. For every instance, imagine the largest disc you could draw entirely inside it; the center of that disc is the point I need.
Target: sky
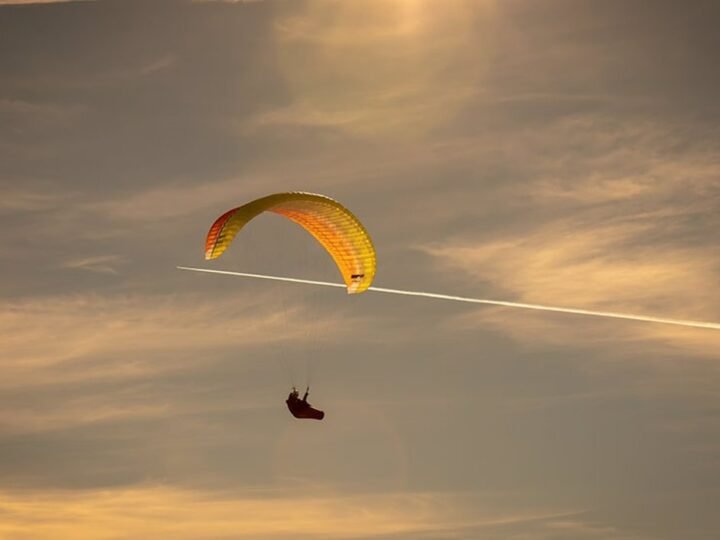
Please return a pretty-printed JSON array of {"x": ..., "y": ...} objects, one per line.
[{"x": 563, "y": 152}]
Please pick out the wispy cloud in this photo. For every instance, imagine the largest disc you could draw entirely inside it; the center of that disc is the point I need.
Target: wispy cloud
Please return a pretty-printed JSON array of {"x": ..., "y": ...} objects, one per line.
[
  {"x": 571, "y": 528},
  {"x": 27, "y": 2},
  {"x": 588, "y": 264},
  {"x": 95, "y": 359},
  {"x": 619, "y": 226},
  {"x": 18, "y": 200},
  {"x": 335, "y": 58},
  {"x": 103, "y": 264},
  {"x": 228, "y": 1},
  {"x": 576, "y": 264},
  {"x": 88, "y": 336},
  {"x": 166, "y": 512}
]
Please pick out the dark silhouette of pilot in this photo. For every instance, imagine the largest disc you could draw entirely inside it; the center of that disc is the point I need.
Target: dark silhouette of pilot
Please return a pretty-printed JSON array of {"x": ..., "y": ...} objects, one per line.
[{"x": 300, "y": 408}]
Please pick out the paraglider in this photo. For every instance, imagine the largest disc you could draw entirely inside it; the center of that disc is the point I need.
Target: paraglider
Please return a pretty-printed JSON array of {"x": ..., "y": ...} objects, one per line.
[
  {"x": 331, "y": 224},
  {"x": 300, "y": 408}
]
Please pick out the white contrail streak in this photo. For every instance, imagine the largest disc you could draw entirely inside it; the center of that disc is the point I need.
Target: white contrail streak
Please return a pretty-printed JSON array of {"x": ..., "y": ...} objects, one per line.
[{"x": 538, "y": 307}]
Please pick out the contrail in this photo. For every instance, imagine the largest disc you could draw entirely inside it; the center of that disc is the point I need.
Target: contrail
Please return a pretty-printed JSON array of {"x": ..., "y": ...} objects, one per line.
[{"x": 538, "y": 307}]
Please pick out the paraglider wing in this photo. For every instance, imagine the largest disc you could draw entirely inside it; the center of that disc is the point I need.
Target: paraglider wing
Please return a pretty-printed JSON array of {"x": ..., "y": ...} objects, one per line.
[{"x": 334, "y": 226}]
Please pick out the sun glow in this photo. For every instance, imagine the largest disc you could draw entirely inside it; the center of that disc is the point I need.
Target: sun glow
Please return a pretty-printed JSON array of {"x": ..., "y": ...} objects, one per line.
[{"x": 380, "y": 67}]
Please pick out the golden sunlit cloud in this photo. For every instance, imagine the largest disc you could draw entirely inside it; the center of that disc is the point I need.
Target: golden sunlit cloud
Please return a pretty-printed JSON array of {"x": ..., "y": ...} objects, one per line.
[
  {"x": 68, "y": 331},
  {"x": 166, "y": 512},
  {"x": 93, "y": 341},
  {"x": 614, "y": 236},
  {"x": 589, "y": 267},
  {"x": 379, "y": 67},
  {"x": 27, "y": 2},
  {"x": 101, "y": 264}
]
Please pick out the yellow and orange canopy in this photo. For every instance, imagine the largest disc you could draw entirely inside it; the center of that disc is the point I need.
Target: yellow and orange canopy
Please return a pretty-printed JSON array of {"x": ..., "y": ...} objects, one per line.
[{"x": 333, "y": 225}]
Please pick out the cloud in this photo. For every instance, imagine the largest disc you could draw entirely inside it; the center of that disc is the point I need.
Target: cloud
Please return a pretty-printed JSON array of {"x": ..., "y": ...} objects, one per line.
[
  {"x": 588, "y": 265},
  {"x": 16, "y": 201},
  {"x": 91, "y": 336},
  {"x": 228, "y": 1},
  {"x": 357, "y": 173},
  {"x": 162, "y": 203},
  {"x": 595, "y": 266},
  {"x": 93, "y": 358},
  {"x": 29, "y": 2},
  {"x": 618, "y": 226},
  {"x": 378, "y": 68},
  {"x": 570, "y": 529},
  {"x": 167, "y": 512},
  {"x": 103, "y": 264}
]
